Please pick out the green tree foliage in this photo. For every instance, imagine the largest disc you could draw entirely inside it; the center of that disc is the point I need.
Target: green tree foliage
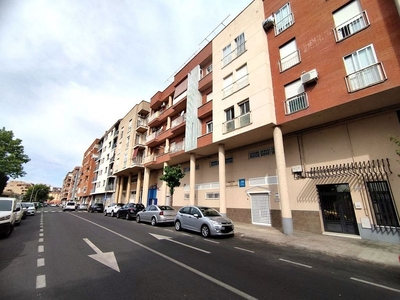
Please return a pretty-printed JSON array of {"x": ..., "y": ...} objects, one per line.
[
  {"x": 397, "y": 142},
  {"x": 37, "y": 193},
  {"x": 12, "y": 157},
  {"x": 172, "y": 176}
]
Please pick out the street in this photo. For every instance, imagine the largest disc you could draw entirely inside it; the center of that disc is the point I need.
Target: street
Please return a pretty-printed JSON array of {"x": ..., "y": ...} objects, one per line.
[{"x": 81, "y": 255}]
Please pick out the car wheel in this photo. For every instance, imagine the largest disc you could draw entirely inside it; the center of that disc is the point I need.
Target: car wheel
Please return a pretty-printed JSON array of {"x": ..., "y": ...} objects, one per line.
[
  {"x": 127, "y": 216},
  {"x": 137, "y": 219},
  {"x": 105, "y": 213},
  {"x": 205, "y": 231},
  {"x": 153, "y": 221},
  {"x": 112, "y": 214},
  {"x": 118, "y": 215},
  {"x": 178, "y": 226}
]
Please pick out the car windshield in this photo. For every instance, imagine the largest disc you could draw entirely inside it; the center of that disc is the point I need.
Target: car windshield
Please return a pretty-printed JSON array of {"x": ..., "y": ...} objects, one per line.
[
  {"x": 209, "y": 212},
  {"x": 5, "y": 205},
  {"x": 163, "y": 207},
  {"x": 29, "y": 205},
  {"x": 71, "y": 203}
]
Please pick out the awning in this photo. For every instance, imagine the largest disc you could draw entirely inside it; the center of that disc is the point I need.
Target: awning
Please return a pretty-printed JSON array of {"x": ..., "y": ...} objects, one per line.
[{"x": 135, "y": 152}]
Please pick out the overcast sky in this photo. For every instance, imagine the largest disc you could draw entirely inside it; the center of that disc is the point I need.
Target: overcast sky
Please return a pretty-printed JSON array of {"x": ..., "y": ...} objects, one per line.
[{"x": 70, "y": 69}]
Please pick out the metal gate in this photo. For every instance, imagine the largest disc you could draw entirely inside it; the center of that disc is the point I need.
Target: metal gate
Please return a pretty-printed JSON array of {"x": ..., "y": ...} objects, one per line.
[
  {"x": 337, "y": 208},
  {"x": 260, "y": 209}
]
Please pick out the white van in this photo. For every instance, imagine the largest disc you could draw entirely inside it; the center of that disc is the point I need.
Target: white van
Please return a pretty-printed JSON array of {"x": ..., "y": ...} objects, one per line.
[{"x": 7, "y": 216}]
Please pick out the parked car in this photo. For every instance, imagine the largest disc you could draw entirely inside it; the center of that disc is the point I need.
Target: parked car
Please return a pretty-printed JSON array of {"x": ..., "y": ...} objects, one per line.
[
  {"x": 29, "y": 208},
  {"x": 82, "y": 207},
  {"x": 19, "y": 213},
  {"x": 129, "y": 210},
  {"x": 99, "y": 207},
  {"x": 155, "y": 214},
  {"x": 70, "y": 205},
  {"x": 112, "y": 209},
  {"x": 205, "y": 220},
  {"x": 7, "y": 216}
]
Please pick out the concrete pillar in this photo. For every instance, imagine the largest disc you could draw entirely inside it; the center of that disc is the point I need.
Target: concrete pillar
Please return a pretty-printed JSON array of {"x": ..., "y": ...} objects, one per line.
[
  {"x": 138, "y": 187},
  {"x": 117, "y": 188},
  {"x": 222, "y": 180},
  {"x": 128, "y": 189},
  {"x": 165, "y": 190},
  {"x": 192, "y": 180},
  {"x": 287, "y": 221},
  {"x": 121, "y": 188},
  {"x": 146, "y": 180}
]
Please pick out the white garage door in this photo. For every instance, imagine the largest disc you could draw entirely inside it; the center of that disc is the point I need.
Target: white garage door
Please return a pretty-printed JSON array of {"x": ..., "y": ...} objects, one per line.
[{"x": 260, "y": 209}]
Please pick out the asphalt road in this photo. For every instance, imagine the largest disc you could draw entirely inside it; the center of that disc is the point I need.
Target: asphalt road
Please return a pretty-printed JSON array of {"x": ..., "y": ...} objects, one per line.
[{"x": 80, "y": 255}]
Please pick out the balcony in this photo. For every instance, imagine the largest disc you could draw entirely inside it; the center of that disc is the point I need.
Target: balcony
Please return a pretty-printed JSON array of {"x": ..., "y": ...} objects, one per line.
[
  {"x": 140, "y": 142},
  {"x": 141, "y": 125},
  {"x": 205, "y": 110},
  {"x": 236, "y": 123},
  {"x": 289, "y": 61},
  {"x": 366, "y": 77},
  {"x": 177, "y": 147},
  {"x": 296, "y": 103},
  {"x": 239, "y": 50},
  {"x": 205, "y": 82},
  {"x": 235, "y": 86},
  {"x": 137, "y": 161},
  {"x": 351, "y": 26},
  {"x": 284, "y": 24}
]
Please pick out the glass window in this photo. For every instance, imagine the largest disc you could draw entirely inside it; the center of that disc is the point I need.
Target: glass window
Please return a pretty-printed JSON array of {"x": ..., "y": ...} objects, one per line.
[
  {"x": 240, "y": 44},
  {"x": 209, "y": 127},
  {"x": 349, "y": 20},
  {"x": 283, "y": 18},
  {"x": 289, "y": 55},
  {"x": 244, "y": 107},
  {"x": 241, "y": 77},
  {"x": 229, "y": 114},
  {"x": 226, "y": 55}
]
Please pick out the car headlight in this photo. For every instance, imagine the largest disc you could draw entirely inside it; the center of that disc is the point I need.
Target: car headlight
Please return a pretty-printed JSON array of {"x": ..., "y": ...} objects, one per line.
[
  {"x": 215, "y": 223},
  {"x": 5, "y": 218}
]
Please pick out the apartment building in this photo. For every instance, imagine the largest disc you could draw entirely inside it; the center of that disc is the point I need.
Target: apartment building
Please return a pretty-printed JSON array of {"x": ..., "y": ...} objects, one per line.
[
  {"x": 69, "y": 187},
  {"x": 129, "y": 154},
  {"x": 85, "y": 181},
  {"x": 336, "y": 82},
  {"x": 104, "y": 182},
  {"x": 16, "y": 188}
]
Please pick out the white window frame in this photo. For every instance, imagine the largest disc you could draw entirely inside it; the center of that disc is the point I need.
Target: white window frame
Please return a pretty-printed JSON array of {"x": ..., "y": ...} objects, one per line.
[
  {"x": 226, "y": 55},
  {"x": 228, "y": 85},
  {"x": 209, "y": 127},
  {"x": 283, "y": 18},
  {"x": 296, "y": 98},
  {"x": 289, "y": 55},
  {"x": 240, "y": 44},
  {"x": 242, "y": 77}
]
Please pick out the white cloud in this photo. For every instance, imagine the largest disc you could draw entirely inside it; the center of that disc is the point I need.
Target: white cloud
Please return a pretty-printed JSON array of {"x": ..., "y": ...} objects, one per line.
[{"x": 69, "y": 69}]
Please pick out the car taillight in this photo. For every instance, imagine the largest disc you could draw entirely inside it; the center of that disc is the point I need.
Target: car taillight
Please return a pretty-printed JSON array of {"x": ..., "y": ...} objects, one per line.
[{"x": 161, "y": 213}]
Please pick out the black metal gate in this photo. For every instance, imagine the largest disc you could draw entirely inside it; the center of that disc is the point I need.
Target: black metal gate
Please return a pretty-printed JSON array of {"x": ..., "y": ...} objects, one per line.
[{"x": 337, "y": 208}]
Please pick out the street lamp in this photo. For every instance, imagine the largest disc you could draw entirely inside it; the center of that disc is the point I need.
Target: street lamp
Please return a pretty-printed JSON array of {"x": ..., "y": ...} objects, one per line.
[{"x": 30, "y": 200}]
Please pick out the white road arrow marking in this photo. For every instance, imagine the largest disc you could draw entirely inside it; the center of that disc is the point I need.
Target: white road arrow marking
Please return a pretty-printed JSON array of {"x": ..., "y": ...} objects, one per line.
[
  {"x": 168, "y": 238},
  {"x": 107, "y": 258}
]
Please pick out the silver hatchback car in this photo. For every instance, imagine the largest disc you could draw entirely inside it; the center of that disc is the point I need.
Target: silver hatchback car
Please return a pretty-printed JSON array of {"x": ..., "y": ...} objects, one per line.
[{"x": 205, "y": 220}]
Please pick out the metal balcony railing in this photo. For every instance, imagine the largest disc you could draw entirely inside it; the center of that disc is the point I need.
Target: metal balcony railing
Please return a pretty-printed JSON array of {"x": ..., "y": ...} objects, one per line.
[
  {"x": 363, "y": 78},
  {"x": 296, "y": 103},
  {"x": 351, "y": 26}
]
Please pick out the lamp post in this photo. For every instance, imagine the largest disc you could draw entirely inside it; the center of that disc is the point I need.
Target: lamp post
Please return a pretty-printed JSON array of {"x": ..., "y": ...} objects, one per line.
[{"x": 35, "y": 195}]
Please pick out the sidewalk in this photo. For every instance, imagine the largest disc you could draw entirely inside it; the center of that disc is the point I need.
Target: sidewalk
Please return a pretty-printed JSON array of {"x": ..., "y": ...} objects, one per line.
[{"x": 364, "y": 250}]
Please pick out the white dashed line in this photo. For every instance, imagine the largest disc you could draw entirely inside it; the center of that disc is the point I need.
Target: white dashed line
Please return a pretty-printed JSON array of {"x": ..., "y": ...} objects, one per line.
[
  {"x": 295, "y": 263},
  {"x": 244, "y": 250},
  {"x": 210, "y": 241},
  {"x": 40, "y": 262},
  {"x": 41, "y": 248},
  {"x": 40, "y": 281},
  {"x": 41, "y": 240},
  {"x": 375, "y": 284}
]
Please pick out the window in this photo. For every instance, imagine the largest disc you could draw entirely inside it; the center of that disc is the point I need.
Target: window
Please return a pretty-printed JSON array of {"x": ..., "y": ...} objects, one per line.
[
  {"x": 130, "y": 125},
  {"x": 349, "y": 20},
  {"x": 240, "y": 44},
  {"x": 209, "y": 127},
  {"x": 209, "y": 96},
  {"x": 230, "y": 114},
  {"x": 289, "y": 54},
  {"x": 241, "y": 77},
  {"x": 228, "y": 86},
  {"x": 296, "y": 98},
  {"x": 230, "y": 120},
  {"x": 363, "y": 69},
  {"x": 226, "y": 55},
  {"x": 283, "y": 19},
  {"x": 384, "y": 210},
  {"x": 127, "y": 142},
  {"x": 209, "y": 69}
]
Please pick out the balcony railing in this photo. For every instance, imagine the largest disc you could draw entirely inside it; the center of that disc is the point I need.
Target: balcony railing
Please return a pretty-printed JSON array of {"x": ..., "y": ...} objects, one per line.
[
  {"x": 239, "y": 50},
  {"x": 177, "y": 147},
  {"x": 236, "y": 123},
  {"x": 178, "y": 121},
  {"x": 137, "y": 161},
  {"x": 363, "y": 78},
  {"x": 351, "y": 26},
  {"x": 296, "y": 103},
  {"x": 153, "y": 135},
  {"x": 153, "y": 116},
  {"x": 285, "y": 23},
  {"x": 289, "y": 61},
  {"x": 141, "y": 122},
  {"x": 235, "y": 86}
]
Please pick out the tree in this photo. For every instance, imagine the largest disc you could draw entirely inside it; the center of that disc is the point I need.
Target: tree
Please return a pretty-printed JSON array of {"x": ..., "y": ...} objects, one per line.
[
  {"x": 397, "y": 142},
  {"x": 37, "y": 193},
  {"x": 172, "y": 176},
  {"x": 12, "y": 157}
]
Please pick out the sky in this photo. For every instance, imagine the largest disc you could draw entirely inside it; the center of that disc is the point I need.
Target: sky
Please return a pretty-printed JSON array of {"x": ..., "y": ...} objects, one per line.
[{"x": 69, "y": 69}]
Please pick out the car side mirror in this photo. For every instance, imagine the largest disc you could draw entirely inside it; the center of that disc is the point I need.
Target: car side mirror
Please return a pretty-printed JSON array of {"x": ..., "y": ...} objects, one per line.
[
  {"x": 196, "y": 216},
  {"x": 17, "y": 209}
]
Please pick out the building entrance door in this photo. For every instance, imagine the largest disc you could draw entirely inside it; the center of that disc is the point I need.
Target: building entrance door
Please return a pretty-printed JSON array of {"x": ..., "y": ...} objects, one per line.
[
  {"x": 260, "y": 209},
  {"x": 337, "y": 208}
]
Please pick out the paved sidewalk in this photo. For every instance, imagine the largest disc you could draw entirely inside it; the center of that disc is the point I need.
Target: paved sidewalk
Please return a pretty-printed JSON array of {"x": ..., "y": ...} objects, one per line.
[{"x": 350, "y": 247}]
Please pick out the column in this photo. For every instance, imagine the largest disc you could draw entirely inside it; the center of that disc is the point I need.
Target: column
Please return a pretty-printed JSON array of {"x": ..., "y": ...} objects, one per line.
[
  {"x": 121, "y": 187},
  {"x": 128, "y": 189},
  {"x": 117, "y": 188},
  {"x": 165, "y": 190},
  {"x": 146, "y": 181},
  {"x": 138, "y": 187},
  {"x": 287, "y": 221},
  {"x": 192, "y": 182},
  {"x": 222, "y": 180}
]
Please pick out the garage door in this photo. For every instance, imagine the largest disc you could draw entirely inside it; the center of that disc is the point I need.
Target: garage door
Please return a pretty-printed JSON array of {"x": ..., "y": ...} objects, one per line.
[{"x": 260, "y": 209}]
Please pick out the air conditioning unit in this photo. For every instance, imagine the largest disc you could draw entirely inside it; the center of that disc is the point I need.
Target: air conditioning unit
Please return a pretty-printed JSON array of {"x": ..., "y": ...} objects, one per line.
[
  {"x": 309, "y": 76},
  {"x": 268, "y": 22}
]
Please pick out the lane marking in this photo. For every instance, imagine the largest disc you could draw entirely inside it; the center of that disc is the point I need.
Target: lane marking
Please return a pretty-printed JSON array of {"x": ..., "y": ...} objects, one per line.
[
  {"x": 244, "y": 250},
  {"x": 41, "y": 240},
  {"x": 210, "y": 241},
  {"x": 40, "y": 281},
  {"x": 106, "y": 258},
  {"x": 295, "y": 263},
  {"x": 168, "y": 238},
  {"x": 375, "y": 284},
  {"x": 199, "y": 273},
  {"x": 41, "y": 234},
  {"x": 41, "y": 248},
  {"x": 40, "y": 262}
]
